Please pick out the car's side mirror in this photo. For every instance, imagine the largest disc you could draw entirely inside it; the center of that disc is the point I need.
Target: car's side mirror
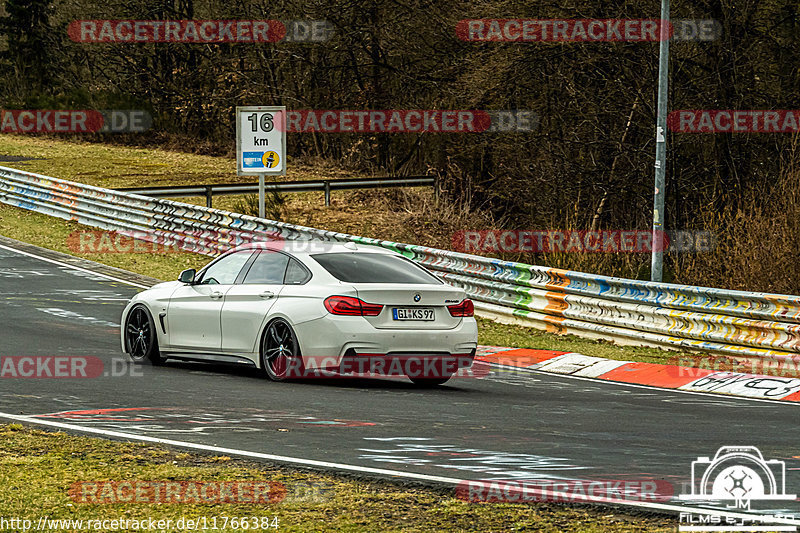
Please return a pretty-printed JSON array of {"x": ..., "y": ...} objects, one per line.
[{"x": 187, "y": 276}]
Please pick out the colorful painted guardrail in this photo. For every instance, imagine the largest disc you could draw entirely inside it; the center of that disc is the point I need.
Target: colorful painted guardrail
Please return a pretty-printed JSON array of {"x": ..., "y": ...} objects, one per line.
[{"x": 737, "y": 323}]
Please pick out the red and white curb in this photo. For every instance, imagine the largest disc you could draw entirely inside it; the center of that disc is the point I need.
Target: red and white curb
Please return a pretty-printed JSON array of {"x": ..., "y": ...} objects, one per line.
[{"x": 678, "y": 377}]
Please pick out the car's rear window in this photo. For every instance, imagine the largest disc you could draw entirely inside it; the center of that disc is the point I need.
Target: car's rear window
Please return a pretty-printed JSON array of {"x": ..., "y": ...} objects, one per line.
[{"x": 354, "y": 267}]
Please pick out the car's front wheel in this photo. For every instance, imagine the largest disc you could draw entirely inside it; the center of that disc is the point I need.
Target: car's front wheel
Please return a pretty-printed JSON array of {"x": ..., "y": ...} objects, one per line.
[
  {"x": 141, "y": 340},
  {"x": 280, "y": 352}
]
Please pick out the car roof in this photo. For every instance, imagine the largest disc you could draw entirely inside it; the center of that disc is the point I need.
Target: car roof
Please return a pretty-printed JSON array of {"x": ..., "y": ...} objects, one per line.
[{"x": 307, "y": 247}]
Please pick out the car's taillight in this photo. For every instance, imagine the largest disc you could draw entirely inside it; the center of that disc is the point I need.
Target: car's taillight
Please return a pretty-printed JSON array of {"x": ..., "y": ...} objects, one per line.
[
  {"x": 465, "y": 308},
  {"x": 350, "y": 306}
]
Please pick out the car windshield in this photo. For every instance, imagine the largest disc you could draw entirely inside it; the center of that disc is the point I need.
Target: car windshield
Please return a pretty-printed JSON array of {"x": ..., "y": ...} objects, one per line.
[{"x": 374, "y": 268}]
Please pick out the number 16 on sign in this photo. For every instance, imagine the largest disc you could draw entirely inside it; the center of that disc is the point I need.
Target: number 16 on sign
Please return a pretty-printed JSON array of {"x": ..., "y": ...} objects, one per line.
[{"x": 260, "y": 144}]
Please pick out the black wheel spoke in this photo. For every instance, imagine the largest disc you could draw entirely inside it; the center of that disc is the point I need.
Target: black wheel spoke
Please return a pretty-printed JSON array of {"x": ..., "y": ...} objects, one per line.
[
  {"x": 286, "y": 337},
  {"x": 271, "y": 352},
  {"x": 279, "y": 364},
  {"x": 274, "y": 335},
  {"x": 139, "y": 344}
]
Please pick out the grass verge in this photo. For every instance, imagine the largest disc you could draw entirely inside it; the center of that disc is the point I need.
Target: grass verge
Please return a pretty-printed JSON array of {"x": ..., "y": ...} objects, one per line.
[
  {"x": 37, "y": 469},
  {"x": 495, "y": 334}
]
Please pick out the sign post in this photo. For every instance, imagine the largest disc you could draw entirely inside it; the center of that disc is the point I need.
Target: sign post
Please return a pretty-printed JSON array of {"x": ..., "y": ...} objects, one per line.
[
  {"x": 260, "y": 144},
  {"x": 657, "y": 257}
]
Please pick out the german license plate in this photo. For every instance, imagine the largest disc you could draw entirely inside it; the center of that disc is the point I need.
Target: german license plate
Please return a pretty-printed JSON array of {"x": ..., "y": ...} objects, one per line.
[{"x": 412, "y": 313}]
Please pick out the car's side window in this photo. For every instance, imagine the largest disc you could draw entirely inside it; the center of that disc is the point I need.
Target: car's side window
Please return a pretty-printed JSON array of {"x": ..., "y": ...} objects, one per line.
[
  {"x": 296, "y": 274},
  {"x": 268, "y": 268},
  {"x": 225, "y": 271}
]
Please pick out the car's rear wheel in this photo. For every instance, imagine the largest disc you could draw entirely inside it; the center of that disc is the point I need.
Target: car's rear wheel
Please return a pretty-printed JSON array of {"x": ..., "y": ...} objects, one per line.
[
  {"x": 430, "y": 382},
  {"x": 141, "y": 340},
  {"x": 280, "y": 352}
]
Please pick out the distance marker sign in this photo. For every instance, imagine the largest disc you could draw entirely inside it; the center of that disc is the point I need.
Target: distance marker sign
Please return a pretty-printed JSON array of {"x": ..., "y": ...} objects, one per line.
[{"x": 260, "y": 140}]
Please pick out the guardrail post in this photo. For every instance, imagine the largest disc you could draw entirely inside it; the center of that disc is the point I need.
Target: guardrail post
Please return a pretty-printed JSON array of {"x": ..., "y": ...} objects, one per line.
[
  {"x": 436, "y": 188},
  {"x": 327, "y": 193},
  {"x": 209, "y": 196}
]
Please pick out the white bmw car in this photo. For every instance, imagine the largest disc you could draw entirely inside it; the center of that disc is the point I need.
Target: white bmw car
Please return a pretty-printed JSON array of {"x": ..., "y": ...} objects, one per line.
[{"x": 294, "y": 307}]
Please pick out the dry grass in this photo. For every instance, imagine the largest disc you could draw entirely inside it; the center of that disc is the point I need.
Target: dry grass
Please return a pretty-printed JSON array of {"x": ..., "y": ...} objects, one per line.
[
  {"x": 37, "y": 469},
  {"x": 757, "y": 243}
]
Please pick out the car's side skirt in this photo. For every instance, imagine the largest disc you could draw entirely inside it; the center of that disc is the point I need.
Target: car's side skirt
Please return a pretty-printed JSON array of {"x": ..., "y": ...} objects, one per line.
[{"x": 209, "y": 358}]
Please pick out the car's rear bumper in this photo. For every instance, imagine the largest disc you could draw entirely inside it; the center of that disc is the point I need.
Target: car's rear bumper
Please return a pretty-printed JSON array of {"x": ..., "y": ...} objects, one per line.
[
  {"x": 325, "y": 341},
  {"x": 428, "y": 365}
]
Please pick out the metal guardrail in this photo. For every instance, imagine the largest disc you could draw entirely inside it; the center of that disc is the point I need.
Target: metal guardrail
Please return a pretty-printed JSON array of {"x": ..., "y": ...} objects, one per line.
[
  {"x": 286, "y": 186},
  {"x": 742, "y": 324}
]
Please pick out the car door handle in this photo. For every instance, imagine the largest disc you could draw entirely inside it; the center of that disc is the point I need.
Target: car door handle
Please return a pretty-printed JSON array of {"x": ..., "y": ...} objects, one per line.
[
  {"x": 216, "y": 295},
  {"x": 267, "y": 295}
]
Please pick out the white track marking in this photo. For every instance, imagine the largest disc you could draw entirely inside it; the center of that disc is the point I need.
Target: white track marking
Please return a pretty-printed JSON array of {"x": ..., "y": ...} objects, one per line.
[
  {"x": 73, "y": 267},
  {"x": 355, "y": 468}
]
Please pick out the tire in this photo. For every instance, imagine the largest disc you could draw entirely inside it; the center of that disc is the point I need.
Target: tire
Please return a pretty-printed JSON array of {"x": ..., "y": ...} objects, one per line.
[
  {"x": 280, "y": 352},
  {"x": 141, "y": 339},
  {"x": 430, "y": 382}
]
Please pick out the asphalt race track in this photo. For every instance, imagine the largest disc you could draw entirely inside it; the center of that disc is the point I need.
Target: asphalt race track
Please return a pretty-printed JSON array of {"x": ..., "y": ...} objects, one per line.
[{"x": 504, "y": 426}]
